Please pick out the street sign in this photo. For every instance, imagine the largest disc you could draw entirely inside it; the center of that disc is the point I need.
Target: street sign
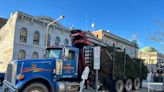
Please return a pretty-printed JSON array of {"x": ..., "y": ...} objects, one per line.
[
  {"x": 66, "y": 52},
  {"x": 97, "y": 58}
]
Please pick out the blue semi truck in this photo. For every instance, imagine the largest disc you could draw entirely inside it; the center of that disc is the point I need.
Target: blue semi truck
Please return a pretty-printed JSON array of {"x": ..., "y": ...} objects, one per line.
[
  {"x": 62, "y": 68},
  {"x": 44, "y": 75}
]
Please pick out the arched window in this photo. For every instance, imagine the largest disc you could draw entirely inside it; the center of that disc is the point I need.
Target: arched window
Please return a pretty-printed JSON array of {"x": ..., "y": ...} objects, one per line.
[
  {"x": 23, "y": 35},
  {"x": 57, "y": 41},
  {"x": 35, "y": 55},
  {"x": 47, "y": 40},
  {"x": 66, "y": 42},
  {"x": 21, "y": 54},
  {"x": 36, "y": 38}
]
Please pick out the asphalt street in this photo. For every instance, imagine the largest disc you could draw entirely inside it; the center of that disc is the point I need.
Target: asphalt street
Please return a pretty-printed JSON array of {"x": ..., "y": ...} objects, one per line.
[
  {"x": 0, "y": 89},
  {"x": 154, "y": 87},
  {"x": 141, "y": 90}
]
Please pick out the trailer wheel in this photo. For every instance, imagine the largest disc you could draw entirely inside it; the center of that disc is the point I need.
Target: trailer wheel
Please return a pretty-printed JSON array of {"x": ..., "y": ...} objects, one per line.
[
  {"x": 128, "y": 85},
  {"x": 119, "y": 86},
  {"x": 137, "y": 83},
  {"x": 36, "y": 87}
]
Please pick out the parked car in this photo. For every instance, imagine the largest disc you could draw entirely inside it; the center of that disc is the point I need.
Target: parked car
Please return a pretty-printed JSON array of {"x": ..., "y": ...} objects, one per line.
[{"x": 158, "y": 75}]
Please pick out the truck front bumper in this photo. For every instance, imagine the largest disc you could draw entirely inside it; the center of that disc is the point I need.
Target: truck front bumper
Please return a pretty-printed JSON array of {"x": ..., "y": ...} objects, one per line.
[{"x": 7, "y": 87}]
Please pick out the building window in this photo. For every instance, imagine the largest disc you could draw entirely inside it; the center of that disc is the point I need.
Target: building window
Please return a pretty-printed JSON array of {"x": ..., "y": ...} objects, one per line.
[
  {"x": 108, "y": 43},
  {"x": 23, "y": 35},
  {"x": 47, "y": 40},
  {"x": 57, "y": 41},
  {"x": 36, "y": 38},
  {"x": 34, "y": 55},
  {"x": 66, "y": 42},
  {"x": 21, "y": 55}
]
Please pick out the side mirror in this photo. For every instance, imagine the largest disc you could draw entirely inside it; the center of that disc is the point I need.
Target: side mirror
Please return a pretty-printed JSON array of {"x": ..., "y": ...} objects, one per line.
[
  {"x": 66, "y": 52},
  {"x": 85, "y": 73}
]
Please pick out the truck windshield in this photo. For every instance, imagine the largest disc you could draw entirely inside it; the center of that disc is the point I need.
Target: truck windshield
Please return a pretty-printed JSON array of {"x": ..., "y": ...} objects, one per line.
[{"x": 55, "y": 53}]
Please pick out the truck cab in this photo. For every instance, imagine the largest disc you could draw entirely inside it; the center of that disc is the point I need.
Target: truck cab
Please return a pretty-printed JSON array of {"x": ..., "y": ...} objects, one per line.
[
  {"x": 66, "y": 61},
  {"x": 56, "y": 73}
]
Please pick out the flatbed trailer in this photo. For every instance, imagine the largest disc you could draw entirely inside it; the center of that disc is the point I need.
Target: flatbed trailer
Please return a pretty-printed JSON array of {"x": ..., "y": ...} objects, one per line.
[{"x": 118, "y": 72}]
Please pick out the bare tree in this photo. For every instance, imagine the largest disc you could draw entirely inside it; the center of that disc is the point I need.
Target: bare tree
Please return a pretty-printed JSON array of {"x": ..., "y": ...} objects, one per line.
[{"x": 158, "y": 36}]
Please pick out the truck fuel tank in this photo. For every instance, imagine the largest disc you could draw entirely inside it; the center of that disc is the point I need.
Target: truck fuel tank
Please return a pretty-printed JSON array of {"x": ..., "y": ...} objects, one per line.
[{"x": 67, "y": 86}]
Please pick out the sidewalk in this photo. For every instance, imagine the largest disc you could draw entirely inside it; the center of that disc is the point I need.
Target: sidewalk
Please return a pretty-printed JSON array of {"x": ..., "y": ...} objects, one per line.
[
  {"x": 92, "y": 90},
  {"x": 143, "y": 89}
]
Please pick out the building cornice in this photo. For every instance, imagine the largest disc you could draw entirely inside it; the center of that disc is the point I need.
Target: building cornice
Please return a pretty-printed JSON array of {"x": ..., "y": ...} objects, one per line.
[
  {"x": 42, "y": 20},
  {"x": 117, "y": 38}
]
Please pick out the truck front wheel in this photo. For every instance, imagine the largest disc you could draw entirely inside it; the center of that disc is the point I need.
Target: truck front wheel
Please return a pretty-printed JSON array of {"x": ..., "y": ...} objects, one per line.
[{"x": 36, "y": 87}]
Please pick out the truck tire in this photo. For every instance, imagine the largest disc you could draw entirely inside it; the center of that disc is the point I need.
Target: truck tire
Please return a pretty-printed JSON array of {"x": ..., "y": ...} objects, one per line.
[
  {"x": 119, "y": 86},
  {"x": 128, "y": 85},
  {"x": 36, "y": 87},
  {"x": 137, "y": 83},
  {"x": 1, "y": 82}
]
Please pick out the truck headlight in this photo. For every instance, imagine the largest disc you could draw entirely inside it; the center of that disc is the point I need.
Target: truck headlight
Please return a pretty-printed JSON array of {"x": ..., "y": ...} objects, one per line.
[
  {"x": 59, "y": 64},
  {"x": 20, "y": 77}
]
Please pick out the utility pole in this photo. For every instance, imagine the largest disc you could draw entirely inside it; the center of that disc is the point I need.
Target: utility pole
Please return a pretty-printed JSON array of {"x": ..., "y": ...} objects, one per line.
[
  {"x": 86, "y": 21},
  {"x": 96, "y": 64},
  {"x": 149, "y": 75},
  {"x": 124, "y": 62},
  {"x": 113, "y": 63}
]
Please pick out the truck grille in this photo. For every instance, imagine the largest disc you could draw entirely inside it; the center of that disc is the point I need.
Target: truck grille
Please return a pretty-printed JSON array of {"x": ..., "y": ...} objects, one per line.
[{"x": 9, "y": 73}]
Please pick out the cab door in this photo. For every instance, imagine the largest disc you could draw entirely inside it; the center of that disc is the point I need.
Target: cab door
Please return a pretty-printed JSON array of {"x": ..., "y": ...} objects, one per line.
[{"x": 70, "y": 65}]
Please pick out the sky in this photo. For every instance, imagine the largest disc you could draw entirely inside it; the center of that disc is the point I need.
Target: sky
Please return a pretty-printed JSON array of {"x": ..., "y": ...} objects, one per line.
[{"x": 122, "y": 17}]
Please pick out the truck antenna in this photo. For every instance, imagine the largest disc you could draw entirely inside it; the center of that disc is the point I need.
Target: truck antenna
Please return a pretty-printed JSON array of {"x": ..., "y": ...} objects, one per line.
[{"x": 86, "y": 20}]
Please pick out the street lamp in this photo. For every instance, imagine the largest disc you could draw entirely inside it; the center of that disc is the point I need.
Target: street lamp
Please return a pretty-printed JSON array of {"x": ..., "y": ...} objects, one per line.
[{"x": 59, "y": 18}]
